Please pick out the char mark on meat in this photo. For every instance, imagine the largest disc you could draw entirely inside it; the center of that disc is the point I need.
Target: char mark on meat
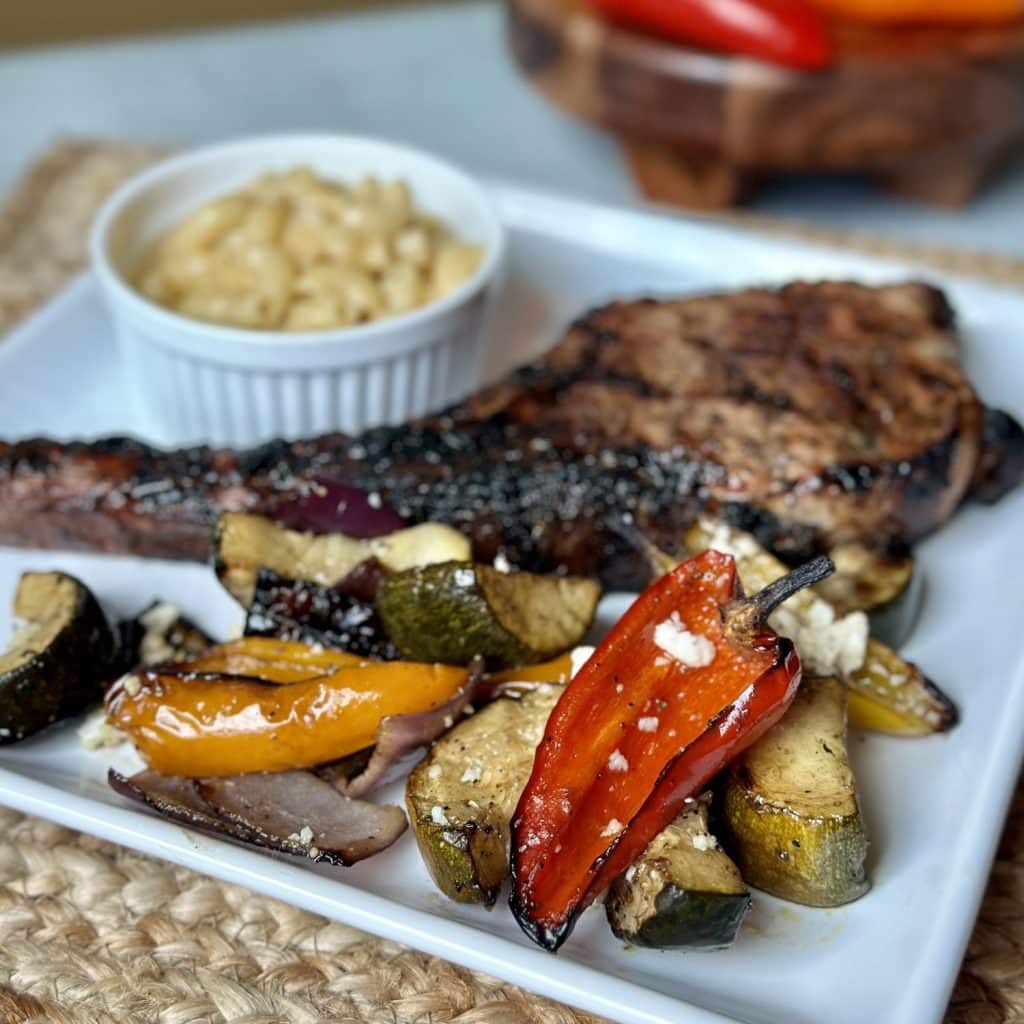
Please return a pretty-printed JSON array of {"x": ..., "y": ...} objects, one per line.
[{"x": 813, "y": 414}]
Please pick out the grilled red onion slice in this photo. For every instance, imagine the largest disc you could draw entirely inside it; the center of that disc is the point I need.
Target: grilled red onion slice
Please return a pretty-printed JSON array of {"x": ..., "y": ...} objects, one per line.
[
  {"x": 291, "y": 812},
  {"x": 326, "y": 505},
  {"x": 399, "y": 735}
]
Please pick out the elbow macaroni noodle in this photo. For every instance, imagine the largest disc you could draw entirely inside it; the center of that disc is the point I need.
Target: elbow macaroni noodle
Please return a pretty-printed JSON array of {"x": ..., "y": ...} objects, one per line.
[{"x": 296, "y": 252}]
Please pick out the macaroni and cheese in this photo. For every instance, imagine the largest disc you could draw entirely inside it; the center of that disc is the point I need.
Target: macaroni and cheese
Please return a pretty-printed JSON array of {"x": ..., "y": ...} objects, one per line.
[{"x": 297, "y": 252}]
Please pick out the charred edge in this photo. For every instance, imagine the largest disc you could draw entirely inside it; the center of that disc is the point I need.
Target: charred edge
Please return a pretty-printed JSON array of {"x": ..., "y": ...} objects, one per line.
[
  {"x": 1000, "y": 464},
  {"x": 545, "y": 936},
  {"x": 173, "y": 670},
  {"x": 950, "y": 711},
  {"x": 174, "y": 810}
]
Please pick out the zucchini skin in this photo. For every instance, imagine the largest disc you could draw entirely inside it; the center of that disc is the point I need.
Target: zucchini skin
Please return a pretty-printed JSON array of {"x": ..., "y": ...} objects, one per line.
[
  {"x": 66, "y": 676},
  {"x": 789, "y": 812},
  {"x": 453, "y": 611},
  {"x": 468, "y": 863},
  {"x": 685, "y": 919},
  {"x": 817, "y": 863},
  {"x": 440, "y": 613},
  {"x": 678, "y": 894}
]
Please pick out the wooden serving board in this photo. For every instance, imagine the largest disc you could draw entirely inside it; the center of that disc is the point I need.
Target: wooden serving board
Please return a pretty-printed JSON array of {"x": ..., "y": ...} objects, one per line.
[{"x": 927, "y": 112}]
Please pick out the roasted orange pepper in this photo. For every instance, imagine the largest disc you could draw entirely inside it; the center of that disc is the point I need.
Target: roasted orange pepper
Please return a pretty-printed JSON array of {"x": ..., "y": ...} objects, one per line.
[
  {"x": 557, "y": 670},
  {"x": 272, "y": 661},
  {"x": 687, "y": 679},
  {"x": 195, "y": 719},
  {"x": 925, "y": 11}
]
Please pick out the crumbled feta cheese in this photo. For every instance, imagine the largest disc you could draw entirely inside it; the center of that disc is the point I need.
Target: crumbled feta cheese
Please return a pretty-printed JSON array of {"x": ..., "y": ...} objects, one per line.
[
  {"x": 472, "y": 773},
  {"x": 649, "y": 723},
  {"x": 437, "y": 815},
  {"x": 373, "y": 499},
  {"x": 689, "y": 649},
  {"x": 132, "y": 685},
  {"x": 434, "y": 771},
  {"x": 96, "y": 732},
  {"x": 730, "y": 542},
  {"x": 579, "y": 657},
  {"x": 704, "y": 842},
  {"x": 617, "y": 762},
  {"x": 827, "y": 645},
  {"x": 532, "y": 735},
  {"x": 161, "y": 616},
  {"x": 501, "y": 562},
  {"x": 156, "y": 622},
  {"x": 304, "y": 836},
  {"x": 448, "y": 721},
  {"x": 464, "y": 577},
  {"x": 613, "y": 828}
]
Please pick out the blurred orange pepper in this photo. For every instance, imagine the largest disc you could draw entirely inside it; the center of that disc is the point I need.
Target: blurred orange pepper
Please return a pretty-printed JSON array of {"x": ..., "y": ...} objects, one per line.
[{"x": 893, "y": 11}]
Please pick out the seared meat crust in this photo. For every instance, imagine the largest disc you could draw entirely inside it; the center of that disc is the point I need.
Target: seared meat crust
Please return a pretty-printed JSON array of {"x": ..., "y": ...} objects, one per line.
[{"x": 814, "y": 414}]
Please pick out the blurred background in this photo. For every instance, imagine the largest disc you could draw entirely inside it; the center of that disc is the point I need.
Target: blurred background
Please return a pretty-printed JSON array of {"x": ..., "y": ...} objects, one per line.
[
  {"x": 908, "y": 130},
  {"x": 52, "y": 21}
]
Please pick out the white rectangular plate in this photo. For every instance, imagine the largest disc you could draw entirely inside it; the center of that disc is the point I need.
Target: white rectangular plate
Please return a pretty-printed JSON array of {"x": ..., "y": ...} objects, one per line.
[{"x": 934, "y": 807}]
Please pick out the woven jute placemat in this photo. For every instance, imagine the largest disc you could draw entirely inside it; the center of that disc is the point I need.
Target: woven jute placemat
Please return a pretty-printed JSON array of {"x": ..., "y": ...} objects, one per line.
[{"x": 92, "y": 933}]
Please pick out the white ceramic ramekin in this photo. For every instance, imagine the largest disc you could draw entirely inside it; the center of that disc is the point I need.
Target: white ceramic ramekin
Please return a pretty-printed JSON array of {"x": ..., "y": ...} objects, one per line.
[{"x": 227, "y": 385}]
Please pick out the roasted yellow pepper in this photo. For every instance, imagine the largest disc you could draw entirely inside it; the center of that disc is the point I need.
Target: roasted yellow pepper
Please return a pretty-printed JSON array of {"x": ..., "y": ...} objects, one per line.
[{"x": 295, "y": 708}]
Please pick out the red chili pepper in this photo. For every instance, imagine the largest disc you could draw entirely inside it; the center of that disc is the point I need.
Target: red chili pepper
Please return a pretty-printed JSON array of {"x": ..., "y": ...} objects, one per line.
[
  {"x": 786, "y": 32},
  {"x": 640, "y": 729}
]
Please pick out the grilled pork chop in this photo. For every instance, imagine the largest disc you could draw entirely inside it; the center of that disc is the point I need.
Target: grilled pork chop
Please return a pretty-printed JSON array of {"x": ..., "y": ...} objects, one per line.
[{"x": 815, "y": 414}]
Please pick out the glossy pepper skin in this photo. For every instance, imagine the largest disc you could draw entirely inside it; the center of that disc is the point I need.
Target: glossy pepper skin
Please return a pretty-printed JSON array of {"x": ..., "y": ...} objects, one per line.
[
  {"x": 925, "y": 11},
  {"x": 788, "y": 32},
  {"x": 258, "y": 705},
  {"x": 638, "y": 732}
]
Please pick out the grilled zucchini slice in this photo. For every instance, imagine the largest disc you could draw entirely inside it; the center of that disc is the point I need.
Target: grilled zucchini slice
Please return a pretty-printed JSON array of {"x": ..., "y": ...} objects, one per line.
[
  {"x": 59, "y": 660},
  {"x": 886, "y": 692},
  {"x": 456, "y": 611},
  {"x": 462, "y": 795},
  {"x": 791, "y": 819},
  {"x": 683, "y": 892},
  {"x": 888, "y": 587},
  {"x": 243, "y": 543}
]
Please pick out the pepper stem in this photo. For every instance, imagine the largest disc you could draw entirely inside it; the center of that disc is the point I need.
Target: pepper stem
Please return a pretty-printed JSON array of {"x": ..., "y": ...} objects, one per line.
[{"x": 748, "y": 615}]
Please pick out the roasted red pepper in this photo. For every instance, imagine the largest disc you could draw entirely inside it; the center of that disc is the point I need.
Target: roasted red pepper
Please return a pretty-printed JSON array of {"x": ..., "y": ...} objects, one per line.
[
  {"x": 786, "y": 32},
  {"x": 687, "y": 679}
]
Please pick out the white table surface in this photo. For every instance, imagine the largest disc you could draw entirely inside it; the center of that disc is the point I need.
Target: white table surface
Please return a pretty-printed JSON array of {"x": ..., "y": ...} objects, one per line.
[{"x": 438, "y": 77}]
